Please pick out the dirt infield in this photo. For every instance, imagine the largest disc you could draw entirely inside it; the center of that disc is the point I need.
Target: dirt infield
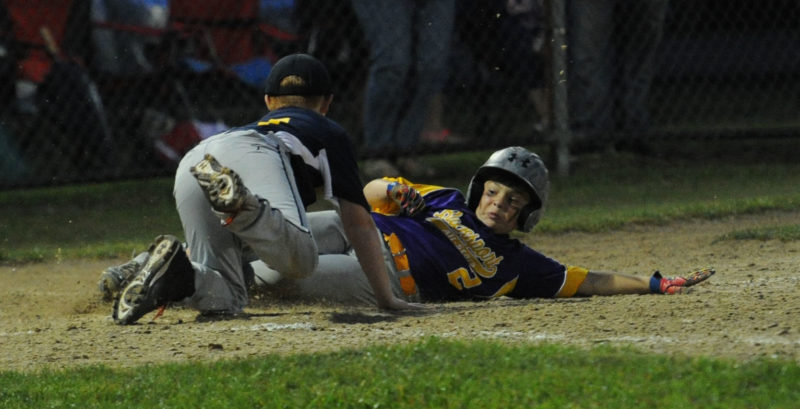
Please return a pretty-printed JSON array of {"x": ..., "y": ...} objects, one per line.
[{"x": 51, "y": 315}]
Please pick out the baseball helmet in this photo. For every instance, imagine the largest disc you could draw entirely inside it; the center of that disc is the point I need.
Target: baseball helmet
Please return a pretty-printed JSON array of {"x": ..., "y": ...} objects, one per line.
[{"x": 522, "y": 165}]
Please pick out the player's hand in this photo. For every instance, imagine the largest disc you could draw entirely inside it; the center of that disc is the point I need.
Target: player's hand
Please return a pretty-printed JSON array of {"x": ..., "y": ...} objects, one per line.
[
  {"x": 408, "y": 198},
  {"x": 400, "y": 306}
]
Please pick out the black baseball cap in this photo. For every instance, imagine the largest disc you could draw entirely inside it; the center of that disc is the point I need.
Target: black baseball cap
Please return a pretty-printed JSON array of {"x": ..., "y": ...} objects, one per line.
[{"x": 311, "y": 70}]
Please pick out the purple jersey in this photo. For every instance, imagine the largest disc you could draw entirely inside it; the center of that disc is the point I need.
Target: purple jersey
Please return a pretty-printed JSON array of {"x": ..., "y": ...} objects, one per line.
[{"x": 454, "y": 256}]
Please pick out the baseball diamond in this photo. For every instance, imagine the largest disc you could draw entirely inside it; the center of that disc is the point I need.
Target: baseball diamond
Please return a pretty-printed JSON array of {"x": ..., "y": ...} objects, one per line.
[{"x": 61, "y": 321}]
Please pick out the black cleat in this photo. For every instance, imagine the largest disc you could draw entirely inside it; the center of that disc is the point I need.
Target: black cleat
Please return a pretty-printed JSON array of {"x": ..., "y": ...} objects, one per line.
[
  {"x": 115, "y": 278},
  {"x": 167, "y": 276},
  {"x": 222, "y": 186}
]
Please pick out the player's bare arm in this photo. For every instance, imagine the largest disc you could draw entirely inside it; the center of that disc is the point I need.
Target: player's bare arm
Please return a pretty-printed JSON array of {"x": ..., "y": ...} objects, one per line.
[
  {"x": 362, "y": 234},
  {"x": 375, "y": 192},
  {"x": 605, "y": 283}
]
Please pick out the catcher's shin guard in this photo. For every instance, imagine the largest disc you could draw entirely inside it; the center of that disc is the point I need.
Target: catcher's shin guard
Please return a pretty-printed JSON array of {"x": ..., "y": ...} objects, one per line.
[
  {"x": 167, "y": 276},
  {"x": 678, "y": 285}
]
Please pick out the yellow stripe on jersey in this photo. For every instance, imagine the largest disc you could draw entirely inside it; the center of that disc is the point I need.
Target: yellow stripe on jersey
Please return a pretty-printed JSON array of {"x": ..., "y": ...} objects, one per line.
[
  {"x": 506, "y": 288},
  {"x": 407, "y": 283},
  {"x": 575, "y": 277},
  {"x": 275, "y": 121},
  {"x": 422, "y": 189},
  {"x": 391, "y": 208}
]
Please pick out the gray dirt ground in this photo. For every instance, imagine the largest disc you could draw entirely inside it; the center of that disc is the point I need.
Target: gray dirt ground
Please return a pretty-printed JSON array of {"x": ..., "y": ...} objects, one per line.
[{"x": 51, "y": 315}]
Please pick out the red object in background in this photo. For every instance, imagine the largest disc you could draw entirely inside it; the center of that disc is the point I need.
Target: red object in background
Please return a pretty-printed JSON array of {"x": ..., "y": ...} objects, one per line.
[
  {"x": 172, "y": 146},
  {"x": 225, "y": 28},
  {"x": 30, "y": 17}
]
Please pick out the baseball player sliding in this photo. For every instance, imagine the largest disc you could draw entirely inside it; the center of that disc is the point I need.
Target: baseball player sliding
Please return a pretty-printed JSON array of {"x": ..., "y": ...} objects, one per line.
[{"x": 441, "y": 246}]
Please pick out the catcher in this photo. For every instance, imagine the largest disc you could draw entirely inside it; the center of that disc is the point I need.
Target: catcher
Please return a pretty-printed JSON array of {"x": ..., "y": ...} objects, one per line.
[
  {"x": 441, "y": 246},
  {"x": 242, "y": 195}
]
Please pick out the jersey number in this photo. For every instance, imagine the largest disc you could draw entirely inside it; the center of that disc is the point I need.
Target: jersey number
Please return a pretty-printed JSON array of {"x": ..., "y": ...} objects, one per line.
[{"x": 461, "y": 278}]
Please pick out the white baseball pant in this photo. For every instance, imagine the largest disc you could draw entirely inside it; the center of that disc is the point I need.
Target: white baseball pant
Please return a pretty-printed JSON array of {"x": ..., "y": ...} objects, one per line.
[{"x": 279, "y": 236}]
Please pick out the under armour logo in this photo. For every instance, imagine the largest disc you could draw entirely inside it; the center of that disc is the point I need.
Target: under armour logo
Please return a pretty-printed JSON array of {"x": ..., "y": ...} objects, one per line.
[{"x": 512, "y": 157}]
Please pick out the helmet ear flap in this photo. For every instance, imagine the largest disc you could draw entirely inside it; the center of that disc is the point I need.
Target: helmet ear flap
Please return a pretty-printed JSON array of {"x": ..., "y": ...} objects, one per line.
[
  {"x": 529, "y": 218},
  {"x": 475, "y": 190}
]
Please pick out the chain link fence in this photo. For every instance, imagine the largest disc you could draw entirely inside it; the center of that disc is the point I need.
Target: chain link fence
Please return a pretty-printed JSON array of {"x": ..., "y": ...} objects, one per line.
[{"x": 110, "y": 89}]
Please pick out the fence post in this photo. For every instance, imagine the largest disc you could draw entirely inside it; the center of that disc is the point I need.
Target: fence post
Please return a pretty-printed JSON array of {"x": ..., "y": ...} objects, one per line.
[{"x": 560, "y": 132}]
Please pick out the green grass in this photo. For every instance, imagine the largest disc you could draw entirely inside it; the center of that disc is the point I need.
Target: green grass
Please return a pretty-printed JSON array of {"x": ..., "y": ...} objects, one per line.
[
  {"x": 603, "y": 192},
  {"x": 431, "y": 373},
  {"x": 782, "y": 233},
  {"x": 93, "y": 220},
  {"x": 612, "y": 198}
]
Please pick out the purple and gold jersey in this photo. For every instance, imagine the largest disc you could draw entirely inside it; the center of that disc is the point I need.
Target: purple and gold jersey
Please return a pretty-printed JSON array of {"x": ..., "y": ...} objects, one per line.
[{"x": 454, "y": 256}]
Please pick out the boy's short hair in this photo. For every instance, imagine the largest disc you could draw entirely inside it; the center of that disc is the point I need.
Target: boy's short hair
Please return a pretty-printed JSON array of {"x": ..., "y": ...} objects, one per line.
[
  {"x": 314, "y": 77},
  {"x": 302, "y": 101}
]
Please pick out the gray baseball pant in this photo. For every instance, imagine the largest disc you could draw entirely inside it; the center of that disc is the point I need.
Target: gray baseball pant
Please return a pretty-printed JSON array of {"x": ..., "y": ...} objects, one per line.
[
  {"x": 338, "y": 278},
  {"x": 279, "y": 235}
]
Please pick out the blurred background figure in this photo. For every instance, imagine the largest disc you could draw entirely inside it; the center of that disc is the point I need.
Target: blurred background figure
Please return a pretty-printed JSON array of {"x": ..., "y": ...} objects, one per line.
[
  {"x": 522, "y": 44},
  {"x": 409, "y": 43},
  {"x": 613, "y": 47},
  {"x": 94, "y": 86}
]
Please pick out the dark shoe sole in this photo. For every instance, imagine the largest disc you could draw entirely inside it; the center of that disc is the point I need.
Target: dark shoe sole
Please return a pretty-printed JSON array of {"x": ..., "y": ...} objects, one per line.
[
  {"x": 167, "y": 276},
  {"x": 222, "y": 186}
]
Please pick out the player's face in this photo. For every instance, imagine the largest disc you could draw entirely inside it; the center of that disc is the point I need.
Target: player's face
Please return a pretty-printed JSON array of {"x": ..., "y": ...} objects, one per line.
[{"x": 500, "y": 206}]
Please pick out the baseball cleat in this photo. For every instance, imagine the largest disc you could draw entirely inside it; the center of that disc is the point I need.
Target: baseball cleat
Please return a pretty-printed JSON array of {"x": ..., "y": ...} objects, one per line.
[
  {"x": 222, "y": 186},
  {"x": 678, "y": 285},
  {"x": 115, "y": 278},
  {"x": 167, "y": 276}
]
